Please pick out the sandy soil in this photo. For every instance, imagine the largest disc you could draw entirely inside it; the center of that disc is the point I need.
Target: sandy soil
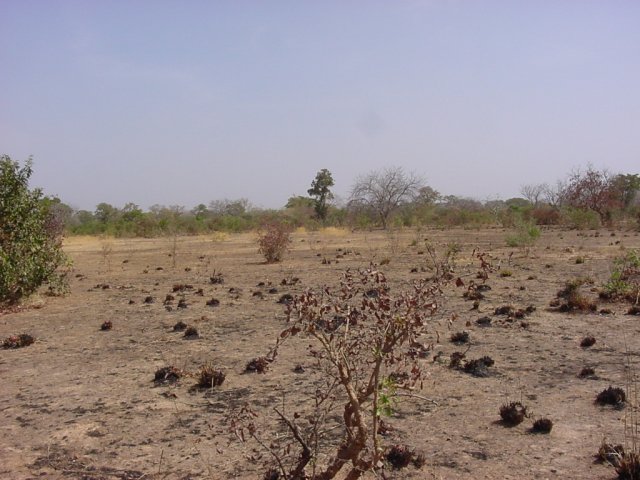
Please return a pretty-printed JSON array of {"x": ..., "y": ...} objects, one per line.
[{"x": 81, "y": 402}]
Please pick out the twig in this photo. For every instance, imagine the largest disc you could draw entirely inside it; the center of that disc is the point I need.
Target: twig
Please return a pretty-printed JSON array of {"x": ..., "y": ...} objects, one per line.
[{"x": 415, "y": 395}]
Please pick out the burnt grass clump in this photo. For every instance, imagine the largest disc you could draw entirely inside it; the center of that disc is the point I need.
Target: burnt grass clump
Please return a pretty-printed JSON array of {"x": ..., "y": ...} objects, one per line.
[
  {"x": 570, "y": 299},
  {"x": 587, "y": 372},
  {"x": 191, "y": 333},
  {"x": 610, "y": 453},
  {"x": 612, "y": 396},
  {"x": 209, "y": 377},
  {"x": 460, "y": 337},
  {"x": 216, "y": 278},
  {"x": 18, "y": 341},
  {"x": 180, "y": 326},
  {"x": 455, "y": 359},
  {"x": 513, "y": 413},
  {"x": 285, "y": 299},
  {"x": 258, "y": 365},
  {"x": 214, "y": 302},
  {"x": 271, "y": 474},
  {"x": 542, "y": 425},
  {"x": 473, "y": 294},
  {"x": 169, "y": 374},
  {"x": 588, "y": 342},
  {"x": 401, "y": 456},
  {"x": 628, "y": 467},
  {"x": 106, "y": 325},
  {"x": 504, "y": 310},
  {"x": 479, "y": 367}
]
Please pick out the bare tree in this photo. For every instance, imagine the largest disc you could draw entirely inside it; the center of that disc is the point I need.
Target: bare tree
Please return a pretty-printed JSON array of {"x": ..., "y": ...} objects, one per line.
[
  {"x": 534, "y": 192},
  {"x": 384, "y": 191},
  {"x": 554, "y": 194}
]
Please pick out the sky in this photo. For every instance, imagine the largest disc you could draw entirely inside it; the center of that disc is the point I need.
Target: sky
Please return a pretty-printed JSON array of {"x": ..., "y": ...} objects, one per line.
[{"x": 185, "y": 102}]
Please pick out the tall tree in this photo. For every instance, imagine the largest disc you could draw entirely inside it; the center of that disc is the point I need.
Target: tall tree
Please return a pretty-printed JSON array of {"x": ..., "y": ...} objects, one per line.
[
  {"x": 627, "y": 188},
  {"x": 320, "y": 191},
  {"x": 384, "y": 191}
]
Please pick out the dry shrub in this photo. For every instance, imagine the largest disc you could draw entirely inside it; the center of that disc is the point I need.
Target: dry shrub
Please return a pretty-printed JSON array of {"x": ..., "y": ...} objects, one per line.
[
  {"x": 271, "y": 474},
  {"x": 610, "y": 453},
  {"x": 587, "y": 372},
  {"x": 258, "y": 365},
  {"x": 479, "y": 367},
  {"x": 504, "y": 310},
  {"x": 401, "y": 456},
  {"x": 588, "y": 342},
  {"x": 180, "y": 326},
  {"x": 209, "y": 377},
  {"x": 191, "y": 333},
  {"x": 455, "y": 359},
  {"x": 460, "y": 337},
  {"x": 216, "y": 278},
  {"x": 168, "y": 374},
  {"x": 18, "y": 341},
  {"x": 273, "y": 241},
  {"x": 612, "y": 396},
  {"x": 574, "y": 300},
  {"x": 542, "y": 425},
  {"x": 285, "y": 299},
  {"x": 513, "y": 413},
  {"x": 628, "y": 467}
]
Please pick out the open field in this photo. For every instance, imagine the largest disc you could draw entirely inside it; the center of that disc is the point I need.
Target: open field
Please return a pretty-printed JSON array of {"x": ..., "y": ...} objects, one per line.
[{"x": 81, "y": 402}]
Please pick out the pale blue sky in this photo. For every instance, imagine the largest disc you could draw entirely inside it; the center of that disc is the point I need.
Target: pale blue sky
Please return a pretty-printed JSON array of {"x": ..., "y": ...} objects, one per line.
[{"x": 184, "y": 102}]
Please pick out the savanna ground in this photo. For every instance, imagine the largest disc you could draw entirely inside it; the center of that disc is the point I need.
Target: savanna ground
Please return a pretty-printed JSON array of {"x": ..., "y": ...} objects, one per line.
[{"x": 81, "y": 402}]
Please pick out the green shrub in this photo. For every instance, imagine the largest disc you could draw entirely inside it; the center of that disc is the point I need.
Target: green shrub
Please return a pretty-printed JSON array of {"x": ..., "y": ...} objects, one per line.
[
  {"x": 526, "y": 235},
  {"x": 625, "y": 277},
  {"x": 581, "y": 219},
  {"x": 30, "y": 235}
]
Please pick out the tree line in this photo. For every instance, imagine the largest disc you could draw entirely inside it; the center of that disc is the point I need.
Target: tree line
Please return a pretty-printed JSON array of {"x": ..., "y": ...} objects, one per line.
[
  {"x": 32, "y": 224},
  {"x": 386, "y": 198}
]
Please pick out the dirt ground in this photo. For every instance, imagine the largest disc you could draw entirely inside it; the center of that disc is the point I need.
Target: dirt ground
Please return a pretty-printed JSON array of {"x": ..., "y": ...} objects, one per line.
[{"x": 81, "y": 403}]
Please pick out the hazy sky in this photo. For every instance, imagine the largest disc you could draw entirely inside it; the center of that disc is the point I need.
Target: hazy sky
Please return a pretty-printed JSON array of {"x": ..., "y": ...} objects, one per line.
[{"x": 184, "y": 102}]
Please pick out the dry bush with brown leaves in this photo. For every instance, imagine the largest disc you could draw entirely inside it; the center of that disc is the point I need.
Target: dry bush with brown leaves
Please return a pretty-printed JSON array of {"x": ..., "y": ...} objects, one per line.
[{"x": 360, "y": 334}]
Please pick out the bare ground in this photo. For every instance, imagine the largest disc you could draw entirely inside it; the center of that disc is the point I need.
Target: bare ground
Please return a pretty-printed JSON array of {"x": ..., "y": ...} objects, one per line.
[{"x": 80, "y": 403}]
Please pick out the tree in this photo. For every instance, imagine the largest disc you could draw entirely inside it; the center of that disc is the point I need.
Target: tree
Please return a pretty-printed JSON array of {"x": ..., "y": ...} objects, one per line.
[
  {"x": 534, "y": 193},
  {"x": 320, "y": 191},
  {"x": 106, "y": 213},
  {"x": 427, "y": 196},
  {"x": 30, "y": 234},
  {"x": 234, "y": 208},
  {"x": 385, "y": 191},
  {"x": 592, "y": 190},
  {"x": 299, "y": 201},
  {"x": 627, "y": 188}
]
